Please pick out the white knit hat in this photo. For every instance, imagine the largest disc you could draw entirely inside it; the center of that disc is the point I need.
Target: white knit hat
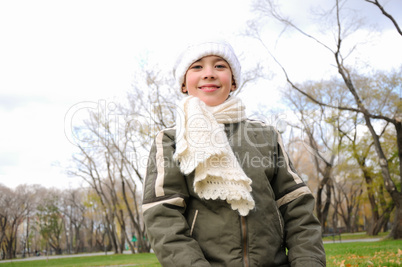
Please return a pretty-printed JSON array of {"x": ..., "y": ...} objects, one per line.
[{"x": 211, "y": 48}]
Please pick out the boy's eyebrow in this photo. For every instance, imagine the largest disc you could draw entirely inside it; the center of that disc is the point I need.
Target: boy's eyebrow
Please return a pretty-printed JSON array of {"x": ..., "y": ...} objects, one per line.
[{"x": 220, "y": 59}]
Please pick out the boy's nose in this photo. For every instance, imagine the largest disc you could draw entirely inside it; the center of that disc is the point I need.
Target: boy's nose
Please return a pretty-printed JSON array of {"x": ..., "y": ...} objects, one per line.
[{"x": 208, "y": 73}]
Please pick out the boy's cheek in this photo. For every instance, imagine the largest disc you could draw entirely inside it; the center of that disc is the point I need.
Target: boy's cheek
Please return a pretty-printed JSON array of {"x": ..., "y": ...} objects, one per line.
[
  {"x": 226, "y": 80},
  {"x": 191, "y": 81}
]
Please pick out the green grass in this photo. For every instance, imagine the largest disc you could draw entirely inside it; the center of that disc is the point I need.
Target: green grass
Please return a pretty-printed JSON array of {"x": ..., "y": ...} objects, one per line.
[
  {"x": 381, "y": 253},
  {"x": 144, "y": 259}
]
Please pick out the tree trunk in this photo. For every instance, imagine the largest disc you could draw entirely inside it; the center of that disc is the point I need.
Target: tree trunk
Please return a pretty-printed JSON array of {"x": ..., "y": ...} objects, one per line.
[
  {"x": 388, "y": 182},
  {"x": 374, "y": 220},
  {"x": 91, "y": 236},
  {"x": 115, "y": 240},
  {"x": 355, "y": 224},
  {"x": 327, "y": 201},
  {"x": 396, "y": 232},
  {"x": 130, "y": 213},
  {"x": 27, "y": 237},
  {"x": 322, "y": 210},
  {"x": 78, "y": 242},
  {"x": 398, "y": 128},
  {"x": 319, "y": 204}
]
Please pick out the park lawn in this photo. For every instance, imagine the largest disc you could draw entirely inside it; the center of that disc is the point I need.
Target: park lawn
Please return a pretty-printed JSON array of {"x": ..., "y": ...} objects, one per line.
[
  {"x": 143, "y": 259},
  {"x": 381, "y": 253}
]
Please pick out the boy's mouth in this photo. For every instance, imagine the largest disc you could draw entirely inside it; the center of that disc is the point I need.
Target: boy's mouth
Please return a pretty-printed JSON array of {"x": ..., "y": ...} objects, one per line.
[{"x": 209, "y": 87}]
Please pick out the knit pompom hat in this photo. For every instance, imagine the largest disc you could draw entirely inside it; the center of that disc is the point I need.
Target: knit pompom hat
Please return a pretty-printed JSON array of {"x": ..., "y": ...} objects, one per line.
[{"x": 197, "y": 51}]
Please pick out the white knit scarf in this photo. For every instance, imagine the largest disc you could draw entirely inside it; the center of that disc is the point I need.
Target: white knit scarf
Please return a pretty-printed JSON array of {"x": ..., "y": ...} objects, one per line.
[{"x": 202, "y": 145}]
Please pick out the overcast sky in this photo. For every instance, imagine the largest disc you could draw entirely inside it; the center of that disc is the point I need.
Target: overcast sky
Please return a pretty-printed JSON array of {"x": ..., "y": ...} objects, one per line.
[{"x": 56, "y": 56}]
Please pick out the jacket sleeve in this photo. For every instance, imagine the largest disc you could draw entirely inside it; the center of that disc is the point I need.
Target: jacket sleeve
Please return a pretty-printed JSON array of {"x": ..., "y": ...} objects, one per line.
[
  {"x": 164, "y": 203},
  {"x": 296, "y": 203}
]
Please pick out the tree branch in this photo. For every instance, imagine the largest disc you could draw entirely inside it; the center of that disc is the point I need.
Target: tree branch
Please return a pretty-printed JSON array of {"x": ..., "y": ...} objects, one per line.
[{"x": 376, "y": 3}]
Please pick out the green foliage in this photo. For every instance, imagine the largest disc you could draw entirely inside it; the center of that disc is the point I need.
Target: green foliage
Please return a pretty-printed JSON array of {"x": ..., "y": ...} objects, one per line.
[{"x": 50, "y": 223}]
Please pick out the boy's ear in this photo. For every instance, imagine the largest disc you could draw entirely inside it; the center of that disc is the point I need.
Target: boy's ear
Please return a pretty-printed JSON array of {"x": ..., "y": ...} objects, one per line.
[
  {"x": 183, "y": 88},
  {"x": 233, "y": 86}
]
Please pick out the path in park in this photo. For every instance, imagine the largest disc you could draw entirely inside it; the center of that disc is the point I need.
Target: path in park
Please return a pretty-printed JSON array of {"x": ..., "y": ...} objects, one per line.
[
  {"x": 352, "y": 240},
  {"x": 129, "y": 252},
  {"x": 61, "y": 256}
]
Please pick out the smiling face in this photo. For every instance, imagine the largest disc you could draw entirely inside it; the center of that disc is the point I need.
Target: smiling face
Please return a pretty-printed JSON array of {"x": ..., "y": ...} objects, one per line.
[{"x": 209, "y": 79}]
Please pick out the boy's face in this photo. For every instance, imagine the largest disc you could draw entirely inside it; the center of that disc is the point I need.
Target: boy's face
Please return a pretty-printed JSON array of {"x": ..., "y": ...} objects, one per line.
[{"x": 209, "y": 79}]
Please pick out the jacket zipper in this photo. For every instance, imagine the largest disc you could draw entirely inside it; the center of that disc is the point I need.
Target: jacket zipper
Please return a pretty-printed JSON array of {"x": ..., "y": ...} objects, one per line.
[
  {"x": 275, "y": 163},
  {"x": 280, "y": 223},
  {"x": 244, "y": 241},
  {"x": 192, "y": 225}
]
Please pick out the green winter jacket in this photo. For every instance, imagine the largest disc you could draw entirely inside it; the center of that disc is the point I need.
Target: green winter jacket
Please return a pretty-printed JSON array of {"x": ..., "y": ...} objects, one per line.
[{"x": 185, "y": 230}]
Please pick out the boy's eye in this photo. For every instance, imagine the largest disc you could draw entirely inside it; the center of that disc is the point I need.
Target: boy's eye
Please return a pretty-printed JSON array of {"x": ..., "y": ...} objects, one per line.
[
  {"x": 220, "y": 66},
  {"x": 196, "y": 67}
]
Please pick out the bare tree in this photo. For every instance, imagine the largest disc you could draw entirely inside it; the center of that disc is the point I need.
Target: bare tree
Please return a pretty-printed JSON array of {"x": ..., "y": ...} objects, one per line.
[
  {"x": 361, "y": 152},
  {"x": 115, "y": 167},
  {"x": 30, "y": 194},
  {"x": 392, "y": 115},
  {"x": 73, "y": 208},
  {"x": 347, "y": 200},
  {"x": 34, "y": 218},
  {"x": 319, "y": 136},
  {"x": 12, "y": 212},
  {"x": 87, "y": 168}
]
